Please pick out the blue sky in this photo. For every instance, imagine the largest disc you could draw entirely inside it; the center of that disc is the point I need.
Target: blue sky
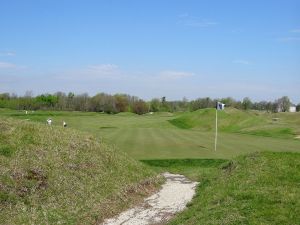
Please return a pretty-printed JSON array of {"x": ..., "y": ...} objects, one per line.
[{"x": 171, "y": 48}]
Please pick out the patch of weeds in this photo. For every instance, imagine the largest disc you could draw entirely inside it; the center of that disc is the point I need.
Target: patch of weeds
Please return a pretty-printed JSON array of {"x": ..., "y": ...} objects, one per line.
[
  {"x": 6, "y": 151},
  {"x": 6, "y": 197},
  {"x": 228, "y": 166},
  {"x": 39, "y": 177}
]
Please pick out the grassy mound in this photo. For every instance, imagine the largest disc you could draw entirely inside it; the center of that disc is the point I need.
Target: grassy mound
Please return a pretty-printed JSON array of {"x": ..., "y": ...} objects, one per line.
[
  {"x": 260, "y": 188},
  {"x": 52, "y": 175},
  {"x": 284, "y": 125}
]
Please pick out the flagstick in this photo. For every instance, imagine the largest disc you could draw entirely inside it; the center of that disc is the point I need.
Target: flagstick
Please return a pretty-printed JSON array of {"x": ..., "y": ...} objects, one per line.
[{"x": 216, "y": 136}]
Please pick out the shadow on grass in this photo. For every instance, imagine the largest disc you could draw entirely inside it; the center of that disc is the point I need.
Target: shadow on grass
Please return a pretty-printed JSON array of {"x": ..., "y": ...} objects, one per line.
[
  {"x": 195, "y": 169},
  {"x": 206, "y": 163}
]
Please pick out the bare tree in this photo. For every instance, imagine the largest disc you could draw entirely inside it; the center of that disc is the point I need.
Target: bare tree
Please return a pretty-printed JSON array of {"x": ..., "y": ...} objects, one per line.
[{"x": 283, "y": 104}]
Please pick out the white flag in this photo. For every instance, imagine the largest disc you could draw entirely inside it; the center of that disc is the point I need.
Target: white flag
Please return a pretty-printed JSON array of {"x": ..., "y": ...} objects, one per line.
[{"x": 220, "y": 106}]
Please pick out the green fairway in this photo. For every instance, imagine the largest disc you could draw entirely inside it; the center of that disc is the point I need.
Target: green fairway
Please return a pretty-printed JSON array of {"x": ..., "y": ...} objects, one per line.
[{"x": 155, "y": 137}]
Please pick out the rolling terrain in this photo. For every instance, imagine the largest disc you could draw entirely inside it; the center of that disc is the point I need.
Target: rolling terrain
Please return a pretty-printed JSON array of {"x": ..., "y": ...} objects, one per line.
[
  {"x": 252, "y": 178},
  {"x": 257, "y": 188},
  {"x": 183, "y": 135},
  {"x": 52, "y": 175}
]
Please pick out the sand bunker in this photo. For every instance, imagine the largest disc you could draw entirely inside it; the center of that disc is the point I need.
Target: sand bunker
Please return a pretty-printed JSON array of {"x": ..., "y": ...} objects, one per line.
[{"x": 160, "y": 207}]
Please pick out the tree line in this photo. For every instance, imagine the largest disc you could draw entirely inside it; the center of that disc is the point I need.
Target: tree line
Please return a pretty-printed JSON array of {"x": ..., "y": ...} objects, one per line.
[{"x": 107, "y": 103}]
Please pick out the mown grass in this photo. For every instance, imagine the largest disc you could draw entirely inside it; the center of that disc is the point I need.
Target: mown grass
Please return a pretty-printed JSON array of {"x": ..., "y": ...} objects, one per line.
[
  {"x": 154, "y": 137},
  {"x": 278, "y": 125},
  {"x": 52, "y": 175},
  {"x": 259, "y": 188}
]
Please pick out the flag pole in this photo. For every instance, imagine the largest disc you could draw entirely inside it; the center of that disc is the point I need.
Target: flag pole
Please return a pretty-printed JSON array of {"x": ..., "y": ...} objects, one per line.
[{"x": 216, "y": 136}]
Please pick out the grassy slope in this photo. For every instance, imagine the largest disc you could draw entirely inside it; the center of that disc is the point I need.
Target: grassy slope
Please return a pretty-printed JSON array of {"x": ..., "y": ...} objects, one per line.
[
  {"x": 287, "y": 125},
  {"x": 259, "y": 188},
  {"x": 51, "y": 175},
  {"x": 161, "y": 140}
]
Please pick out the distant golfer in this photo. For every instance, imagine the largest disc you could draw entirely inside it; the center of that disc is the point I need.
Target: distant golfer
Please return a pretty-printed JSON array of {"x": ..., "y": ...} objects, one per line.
[
  {"x": 49, "y": 121},
  {"x": 64, "y": 124}
]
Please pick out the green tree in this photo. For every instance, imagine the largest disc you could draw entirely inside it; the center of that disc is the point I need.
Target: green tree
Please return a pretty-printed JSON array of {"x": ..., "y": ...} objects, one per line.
[
  {"x": 247, "y": 103},
  {"x": 122, "y": 102},
  {"x": 155, "y": 105}
]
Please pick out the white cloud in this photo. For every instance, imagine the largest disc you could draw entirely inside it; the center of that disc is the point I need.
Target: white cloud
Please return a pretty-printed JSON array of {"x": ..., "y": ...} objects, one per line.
[
  {"x": 7, "y": 53},
  {"x": 183, "y": 15},
  {"x": 242, "y": 61},
  {"x": 295, "y": 31},
  {"x": 7, "y": 65},
  {"x": 190, "y": 21},
  {"x": 92, "y": 73},
  {"x": 289, "y": 39},
  {"x": 169, "y": 74},
  {"x": 103, "y": 69}
]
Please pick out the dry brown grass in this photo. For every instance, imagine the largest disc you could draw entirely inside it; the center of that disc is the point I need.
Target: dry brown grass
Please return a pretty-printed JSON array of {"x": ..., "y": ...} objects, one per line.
[{"x": 52, "y": 175}]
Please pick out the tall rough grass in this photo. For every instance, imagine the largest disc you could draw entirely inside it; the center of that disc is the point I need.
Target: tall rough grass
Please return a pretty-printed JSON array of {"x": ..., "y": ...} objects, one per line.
[
  {"x": 259, "y": 188},
  {"x": 53, "y": 175}
]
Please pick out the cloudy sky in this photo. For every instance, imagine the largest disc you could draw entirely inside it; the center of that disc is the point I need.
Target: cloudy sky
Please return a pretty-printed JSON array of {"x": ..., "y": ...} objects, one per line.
[{"x": 154, "y": 48}]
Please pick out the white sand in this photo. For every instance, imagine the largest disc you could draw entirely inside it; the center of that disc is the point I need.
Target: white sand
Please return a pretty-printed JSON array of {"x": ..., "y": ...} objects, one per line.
[{"x": 160, "y": 207}]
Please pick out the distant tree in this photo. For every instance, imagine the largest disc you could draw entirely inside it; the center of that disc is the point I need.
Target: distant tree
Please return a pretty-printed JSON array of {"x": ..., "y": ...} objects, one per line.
[
  {"x": 13, "y": 96},
  {"x": 4, "y": 96},
  {"x": 184, "y": 104},
  {"x": 97, "y": 103},
  {"x": 122, "y": 102},
  {"x": 163, "y": 100},
  {"x": 155, "y": 105},
  {"x": 4, "y": 100},
  {"x": 298, "y": 108},
  {"x": 283, "y": 104},
  {"x": 61, "y": 100},
  {"x": 202, "y": 103},
  {"x": 28, "y": 94},
  {"x": 195, "y": 105},
  {"x": 81, "y": 102},
  {"x": 165, "y": 106},
  {"x": 46, "y": 100},
  {"x": 132, "y": 100},
  {"x": 229, "y": 102},
  {"x": 262, "y": 105},
  {"x": 247, "y": 103},
  {"x": 109, "y": 104},
  {"x": 269, "y": 106},
  {"x": 70, "y": 101},
  {"x": 140, "y": 107}
]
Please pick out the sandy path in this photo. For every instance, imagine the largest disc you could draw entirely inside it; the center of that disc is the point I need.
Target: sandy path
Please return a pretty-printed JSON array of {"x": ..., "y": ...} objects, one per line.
[{"x": 160, "y": 207}]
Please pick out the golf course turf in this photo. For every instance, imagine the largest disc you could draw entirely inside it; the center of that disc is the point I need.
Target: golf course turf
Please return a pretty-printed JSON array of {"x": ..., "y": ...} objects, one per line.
[
  {"x": 252, "y": 178},
  {"x": 156, "y": 137}
]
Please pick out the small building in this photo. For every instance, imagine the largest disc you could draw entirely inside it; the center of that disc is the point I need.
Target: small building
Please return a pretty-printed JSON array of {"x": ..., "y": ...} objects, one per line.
[{"x": 292, "y": 108}]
